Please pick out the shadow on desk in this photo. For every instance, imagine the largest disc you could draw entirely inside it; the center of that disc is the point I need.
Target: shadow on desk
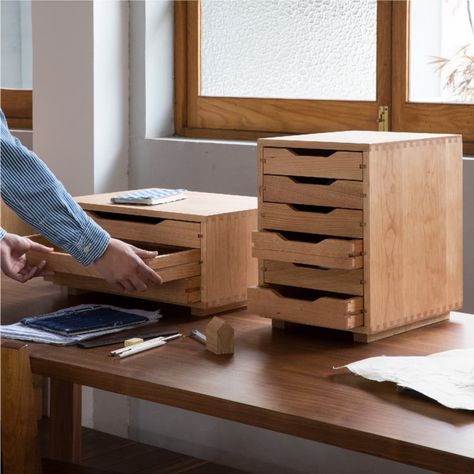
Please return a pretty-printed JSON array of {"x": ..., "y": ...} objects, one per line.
[{"x": 387, "y": 392}]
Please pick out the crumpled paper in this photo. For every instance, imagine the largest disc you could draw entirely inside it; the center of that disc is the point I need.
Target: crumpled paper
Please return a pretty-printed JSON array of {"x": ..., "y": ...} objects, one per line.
[{"x": 447, "y": 377}]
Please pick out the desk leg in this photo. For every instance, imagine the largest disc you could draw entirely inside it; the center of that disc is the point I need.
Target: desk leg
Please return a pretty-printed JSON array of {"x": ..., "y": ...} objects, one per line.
[{"x": 65, "y": 421}]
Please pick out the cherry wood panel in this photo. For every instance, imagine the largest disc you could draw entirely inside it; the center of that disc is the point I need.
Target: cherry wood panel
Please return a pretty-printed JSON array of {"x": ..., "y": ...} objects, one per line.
[
  {"x": 280, "y": 380},
  {"x": 17, "y": 105}
]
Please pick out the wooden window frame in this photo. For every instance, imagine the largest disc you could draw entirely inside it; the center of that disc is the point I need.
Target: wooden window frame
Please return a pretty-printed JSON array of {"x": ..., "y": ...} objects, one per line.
[
  {"x": 249, "y": 118},
  {"x": 418, "y": 116},
  {"x": 17, "y": 105}
]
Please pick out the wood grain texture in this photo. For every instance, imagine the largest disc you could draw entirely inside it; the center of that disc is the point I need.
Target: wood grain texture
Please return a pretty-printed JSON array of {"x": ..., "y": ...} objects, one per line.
[
  {"x": 17, "y": 105},
  {"x": 171, "y": 266},
  {"x": 278, "y": 380},
  {"x": 422, "y": 117},
  {"x": 330, "y": 253},
  {"x": 350, "y": 140},
  {"x": 218, "y": 227},
  {"x": 336, "y": 280},
  {"x": 20, "y": 450},
  {"x": 328, "y": 311},
  {"x": 195, "y": 208},
  {"x": 184, "y": 291},
  {"x": 414, "y": 244},
  {"x": 65, "y": 421},
  {"x": 340, "y": 193},
  {"x": 167, "y": 231},
  {"x": 228, "y": 267},
  {"x": 337, "y": 222},
  {"x": 284, "y": 161},
  {"x": 409, "y": 220}
]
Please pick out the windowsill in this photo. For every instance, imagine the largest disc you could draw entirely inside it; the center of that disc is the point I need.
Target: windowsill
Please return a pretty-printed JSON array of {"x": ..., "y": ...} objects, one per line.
[{"x": 252, "y": 143}]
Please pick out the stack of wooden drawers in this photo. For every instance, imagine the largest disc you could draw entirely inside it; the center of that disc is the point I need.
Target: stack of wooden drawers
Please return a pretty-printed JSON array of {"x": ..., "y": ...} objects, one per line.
[
  {"x": 359, "y": 231},
  {"x": 204, "y": 245}
]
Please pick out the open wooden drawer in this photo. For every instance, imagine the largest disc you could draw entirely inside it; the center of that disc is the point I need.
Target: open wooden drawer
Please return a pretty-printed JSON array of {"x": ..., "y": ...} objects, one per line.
[
  {"x": 305, "y": 276},
  {"x": 302, "y": 306},
  {"x": 309, "y": 249},
  {"x": 179, "y": 268},
  {"x": 149, "y": 229}
]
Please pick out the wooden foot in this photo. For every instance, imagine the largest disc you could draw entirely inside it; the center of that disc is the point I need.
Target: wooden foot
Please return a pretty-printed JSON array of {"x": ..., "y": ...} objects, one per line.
[
  {"x": 199, "y": 311},
  {"x": 361, "y": 337},
  {"x": 280, "y": 324}
]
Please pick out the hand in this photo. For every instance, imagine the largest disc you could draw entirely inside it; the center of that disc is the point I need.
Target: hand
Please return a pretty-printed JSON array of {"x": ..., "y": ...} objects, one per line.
[
  {"x": 13, "y": 260},
  {"x": 123, "y": 266}
]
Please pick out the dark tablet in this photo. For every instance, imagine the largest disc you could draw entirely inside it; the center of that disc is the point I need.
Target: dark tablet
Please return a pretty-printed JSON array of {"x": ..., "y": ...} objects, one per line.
[{"x": 79, "y": 321}]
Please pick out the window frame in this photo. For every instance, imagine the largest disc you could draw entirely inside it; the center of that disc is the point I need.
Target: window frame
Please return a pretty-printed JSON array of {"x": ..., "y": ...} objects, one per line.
[
  {"x": 249, "y": 118},
  {"x": 420, "y": 116},
  {"x": 241, "y": 118},
  {"x": 17, "y": 105}
]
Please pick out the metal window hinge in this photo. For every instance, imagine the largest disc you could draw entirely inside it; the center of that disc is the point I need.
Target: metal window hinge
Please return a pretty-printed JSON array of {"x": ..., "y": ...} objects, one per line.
[{"x": 382, "y": 118}]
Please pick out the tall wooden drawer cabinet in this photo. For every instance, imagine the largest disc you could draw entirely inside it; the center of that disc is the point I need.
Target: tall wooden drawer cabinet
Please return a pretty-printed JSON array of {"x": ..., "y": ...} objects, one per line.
[
  {"x": 204, "y": 245},
  {"x": 359, "y": 231}
]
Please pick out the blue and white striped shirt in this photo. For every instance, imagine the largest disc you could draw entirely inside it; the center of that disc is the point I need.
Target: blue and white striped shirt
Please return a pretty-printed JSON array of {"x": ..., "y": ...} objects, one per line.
[{"x": 36, "y": 195}]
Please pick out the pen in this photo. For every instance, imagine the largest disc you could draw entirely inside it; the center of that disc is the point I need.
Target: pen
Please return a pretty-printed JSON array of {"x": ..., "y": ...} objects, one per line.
[
  {"x": 199, "y": 336},
  {"x": 143, "y": 346}
]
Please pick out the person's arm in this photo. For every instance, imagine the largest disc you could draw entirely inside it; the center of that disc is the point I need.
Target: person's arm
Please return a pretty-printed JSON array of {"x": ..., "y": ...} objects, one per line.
[{"x": 36, "y": 195}]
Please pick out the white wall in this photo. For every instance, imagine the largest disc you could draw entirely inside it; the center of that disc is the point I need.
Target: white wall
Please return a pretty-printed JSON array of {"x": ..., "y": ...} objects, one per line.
[{"x": 80, "y": 100}]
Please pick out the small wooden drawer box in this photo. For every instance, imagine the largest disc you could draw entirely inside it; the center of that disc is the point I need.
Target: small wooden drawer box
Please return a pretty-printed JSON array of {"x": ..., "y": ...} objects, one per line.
[
  {"x": 359, "y": 231},
  {"x": 204, "y": 245}
]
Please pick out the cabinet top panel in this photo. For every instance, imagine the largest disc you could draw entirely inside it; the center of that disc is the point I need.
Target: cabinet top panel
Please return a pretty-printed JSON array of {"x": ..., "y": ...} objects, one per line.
[
  {"x": 196, "y": 207},
  {"x": 357, "y": 140}
]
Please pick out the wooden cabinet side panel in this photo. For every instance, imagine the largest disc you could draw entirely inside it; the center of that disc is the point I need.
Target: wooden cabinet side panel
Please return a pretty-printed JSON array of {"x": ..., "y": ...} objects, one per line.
[
  {"x": 409, "y": 242},
  {"x": 454, "y": 219},
  {"x": 228, "y": 267}
]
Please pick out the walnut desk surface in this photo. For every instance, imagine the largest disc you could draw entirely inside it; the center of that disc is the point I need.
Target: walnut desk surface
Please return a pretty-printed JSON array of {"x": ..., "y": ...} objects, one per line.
[{"x": 282, "y": 380}]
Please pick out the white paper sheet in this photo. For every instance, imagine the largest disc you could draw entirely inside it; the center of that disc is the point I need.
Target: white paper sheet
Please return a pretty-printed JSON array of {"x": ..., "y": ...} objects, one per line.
[
  {"x": 447, "y": 377},
  {"x": 26, "y": 333}
]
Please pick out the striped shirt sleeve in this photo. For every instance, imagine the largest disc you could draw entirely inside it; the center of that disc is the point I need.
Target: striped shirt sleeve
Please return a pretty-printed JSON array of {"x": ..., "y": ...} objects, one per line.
[{"x": 36, "y": 195}]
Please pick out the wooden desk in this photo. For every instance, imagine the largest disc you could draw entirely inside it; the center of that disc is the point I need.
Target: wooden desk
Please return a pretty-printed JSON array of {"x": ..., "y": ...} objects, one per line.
[{"x": 280, "y": 380}]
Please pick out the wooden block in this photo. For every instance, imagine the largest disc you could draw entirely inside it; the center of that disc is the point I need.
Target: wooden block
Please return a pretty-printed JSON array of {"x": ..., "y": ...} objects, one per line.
[{"x": 220, "y": 336}]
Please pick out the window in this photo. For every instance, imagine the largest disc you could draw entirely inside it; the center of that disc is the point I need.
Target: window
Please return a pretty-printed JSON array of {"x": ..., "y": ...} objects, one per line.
[
  {"x": 16, "y": 61},
  {"x": 246, "y": 69}
]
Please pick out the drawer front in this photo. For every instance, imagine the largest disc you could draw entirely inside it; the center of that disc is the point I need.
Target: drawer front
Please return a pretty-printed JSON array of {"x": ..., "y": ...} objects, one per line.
[
  {"x": 325, "y": 252},
  {"x": 338, "y": 193},
  {"x": 334, "y": 280},
  {"x": 149, "y": 229},
  {"x": 171, "y": 263},
  {"x": 335, "y": 222},
  {"x": 324, "y": 311},
  {"x": 185, "y": 291},
  {"x": 313, "y": 163}
]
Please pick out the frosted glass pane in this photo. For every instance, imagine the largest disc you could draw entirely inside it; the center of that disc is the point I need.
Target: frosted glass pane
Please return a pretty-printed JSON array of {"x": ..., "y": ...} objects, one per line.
[
  {"x": 300, "y": 49},
  {"x": 441, "y": 51}
]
